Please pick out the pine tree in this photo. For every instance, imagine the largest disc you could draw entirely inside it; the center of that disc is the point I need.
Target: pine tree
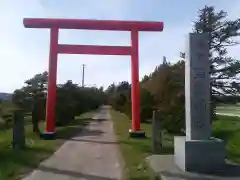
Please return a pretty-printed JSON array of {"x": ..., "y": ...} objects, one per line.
[{"x": 222, "y": 34}]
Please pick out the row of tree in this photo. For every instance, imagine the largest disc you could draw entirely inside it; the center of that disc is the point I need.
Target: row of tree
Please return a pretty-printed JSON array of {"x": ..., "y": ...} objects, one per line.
[
  {"x": 71, "y": 100},
  {"x": 162, "y": 90}
]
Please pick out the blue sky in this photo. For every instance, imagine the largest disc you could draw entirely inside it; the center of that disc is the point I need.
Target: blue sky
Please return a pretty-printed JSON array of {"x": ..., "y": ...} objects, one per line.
[{"x": 24, "y": 52}]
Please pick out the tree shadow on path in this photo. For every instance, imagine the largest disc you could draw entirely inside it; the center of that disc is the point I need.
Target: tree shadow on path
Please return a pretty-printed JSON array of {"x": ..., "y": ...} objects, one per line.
[
  {"x": 72, "y": 173},
  {"x": 94, "y": 141}
]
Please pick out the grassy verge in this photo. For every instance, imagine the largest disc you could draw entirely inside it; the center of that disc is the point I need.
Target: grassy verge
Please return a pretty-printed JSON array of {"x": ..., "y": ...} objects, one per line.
[
  {"x": 228, "y": 129},
  {"x": 136, "y": 150},
  {"x": 228, "y": 109},
  {"x": 13, "y": 164}
]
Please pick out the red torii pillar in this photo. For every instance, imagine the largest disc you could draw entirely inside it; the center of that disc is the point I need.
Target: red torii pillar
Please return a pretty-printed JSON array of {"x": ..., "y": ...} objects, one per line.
[{"x": 55, "y": 24}]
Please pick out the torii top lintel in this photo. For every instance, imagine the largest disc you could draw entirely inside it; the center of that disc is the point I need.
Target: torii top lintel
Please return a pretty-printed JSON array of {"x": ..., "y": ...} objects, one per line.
[{"x": 93, "y": 24}]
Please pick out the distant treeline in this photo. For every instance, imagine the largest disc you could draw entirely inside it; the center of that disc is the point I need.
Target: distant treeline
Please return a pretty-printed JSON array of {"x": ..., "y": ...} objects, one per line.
[
  {"x": 71, "y": 100},
  {"x": 229, "y": 99}
]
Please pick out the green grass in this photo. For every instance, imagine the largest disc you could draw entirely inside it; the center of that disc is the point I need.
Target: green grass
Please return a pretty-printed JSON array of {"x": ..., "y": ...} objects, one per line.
[
  {"x": 228, "y": 129},
  {"x": 135, "y": 151},
  {"x": 228, "y": 109},
  {"x": 15, "y": 163}
]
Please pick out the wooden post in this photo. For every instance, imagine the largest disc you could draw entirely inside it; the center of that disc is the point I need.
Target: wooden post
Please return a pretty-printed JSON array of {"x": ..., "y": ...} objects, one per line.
[
  {"x": 18, "y": 140},
  {"x": 156, "y": 134}
]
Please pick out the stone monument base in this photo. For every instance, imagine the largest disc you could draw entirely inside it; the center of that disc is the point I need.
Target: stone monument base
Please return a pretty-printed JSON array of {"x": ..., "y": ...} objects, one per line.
[
  {"x": 164, "y": 167},
  {"x": 205, "y": 156},
  {"x": 137, "y": 134}
]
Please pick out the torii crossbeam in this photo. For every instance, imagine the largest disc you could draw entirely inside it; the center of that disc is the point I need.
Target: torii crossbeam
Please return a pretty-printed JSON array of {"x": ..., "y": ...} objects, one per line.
[{"x": 55, "y": 24}]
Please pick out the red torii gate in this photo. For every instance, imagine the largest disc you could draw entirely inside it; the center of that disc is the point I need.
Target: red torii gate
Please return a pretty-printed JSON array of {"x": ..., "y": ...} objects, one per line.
[{"x": 55, "y": 24}]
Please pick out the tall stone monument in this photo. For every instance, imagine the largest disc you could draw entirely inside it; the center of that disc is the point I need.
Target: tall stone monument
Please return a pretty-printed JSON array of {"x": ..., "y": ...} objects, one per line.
[{"x": 198, "y": 151}]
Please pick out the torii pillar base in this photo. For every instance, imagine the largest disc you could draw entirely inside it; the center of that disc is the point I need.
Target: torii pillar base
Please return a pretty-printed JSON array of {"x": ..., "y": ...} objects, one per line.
[
  {"x": 137, "y": 134},
  {"x": 47, "y": 136}
]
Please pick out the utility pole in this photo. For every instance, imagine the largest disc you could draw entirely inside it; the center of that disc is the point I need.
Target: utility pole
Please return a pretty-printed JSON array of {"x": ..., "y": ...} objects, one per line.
[{"x": 83, "y": 68}]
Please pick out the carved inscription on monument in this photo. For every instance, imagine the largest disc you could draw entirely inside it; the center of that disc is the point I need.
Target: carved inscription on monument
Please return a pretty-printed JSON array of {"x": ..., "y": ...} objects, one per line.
[
  {"x": 199, "y": 104},
  {"x": 199, "y": 74},
  {"x": 199, "y": 107}
]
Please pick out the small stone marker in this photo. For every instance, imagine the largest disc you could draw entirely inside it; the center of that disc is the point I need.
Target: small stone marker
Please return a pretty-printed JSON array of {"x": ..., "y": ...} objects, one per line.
[
  {"x": 156, "y": 136},
  {"x": 18, "y": 141}
]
